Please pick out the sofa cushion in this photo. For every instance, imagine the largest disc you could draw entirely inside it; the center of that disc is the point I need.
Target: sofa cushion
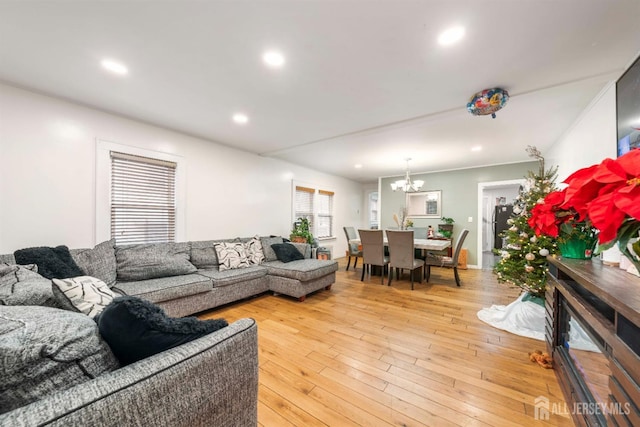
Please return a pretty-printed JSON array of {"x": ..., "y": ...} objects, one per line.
[
  {"x": 304, "y": 248},
  {"x": 148, "y": 261},
  {"x": 52, "y": 262},
  {"x": 231, "y": 256},
  {"x": 22, "y": 285},
  {"x": 203, "y": 253},
  {"x": 269, "y": 254},
  {"x": 255, "y": 254},
  {"x": 166, "y": 288},
  {"x": 303, "y": 270},
  {"x": 229, "y": 277},
  {"x": 7, "y": 259},
  {"x": 286, "y": 252},
  {"x": 135, "y": 328},
  {"x": 44, "y": 350},
  {"x": 99, "y": 262},
  {"x": 85, "y": 294}
]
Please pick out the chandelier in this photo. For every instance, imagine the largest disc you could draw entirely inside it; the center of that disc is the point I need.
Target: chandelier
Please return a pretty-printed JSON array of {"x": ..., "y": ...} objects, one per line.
[{"x": 406, "y": 184}]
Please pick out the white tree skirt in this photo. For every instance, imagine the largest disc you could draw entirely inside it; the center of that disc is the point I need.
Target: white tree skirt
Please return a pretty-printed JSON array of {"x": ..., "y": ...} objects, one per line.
[
  {"x": 523, "y": 318},
  {"x": 526, "y": 318}
]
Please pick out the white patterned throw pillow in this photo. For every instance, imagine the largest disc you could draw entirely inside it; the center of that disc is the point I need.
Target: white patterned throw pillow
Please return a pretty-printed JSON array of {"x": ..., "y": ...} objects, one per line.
[
  {"x": 85, "y": 294},
  {"x": 253, "y": 247},
  {"x": 231, "y": 256}
]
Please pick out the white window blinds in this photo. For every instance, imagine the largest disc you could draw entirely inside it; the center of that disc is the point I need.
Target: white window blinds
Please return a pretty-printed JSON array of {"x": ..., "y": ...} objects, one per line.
[
  {"x": 324, "y": 226},
  {"x": 316, "y": 206},
  {"x": 143, "y": 199},
  {"x": 304, "y": 204}
]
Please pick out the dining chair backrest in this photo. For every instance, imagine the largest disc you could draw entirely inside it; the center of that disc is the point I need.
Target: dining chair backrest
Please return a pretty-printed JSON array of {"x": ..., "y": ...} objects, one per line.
[
  {"x": 401, "y": 253},
  {"x": 372, "y": 246},
  {"x": 350, "y": 233},
  {"x": 456, "y": 253},
  {"x": 419, "y": 232}
]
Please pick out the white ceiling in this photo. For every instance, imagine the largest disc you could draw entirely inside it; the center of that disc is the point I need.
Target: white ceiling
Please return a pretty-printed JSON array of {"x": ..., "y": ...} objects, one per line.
[{"x": 364, "y": 81}]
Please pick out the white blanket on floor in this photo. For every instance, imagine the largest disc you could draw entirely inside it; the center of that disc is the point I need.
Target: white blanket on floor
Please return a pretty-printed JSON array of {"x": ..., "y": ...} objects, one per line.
[
  {"x": 526, "y": 318},
  {"x": 523, "y": 318}
]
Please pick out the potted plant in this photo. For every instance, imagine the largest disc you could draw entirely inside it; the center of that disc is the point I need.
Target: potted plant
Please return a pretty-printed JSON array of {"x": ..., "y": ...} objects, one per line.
[
  {"x": 300, "y": 232},
  {"x": 446, "y": 229}
]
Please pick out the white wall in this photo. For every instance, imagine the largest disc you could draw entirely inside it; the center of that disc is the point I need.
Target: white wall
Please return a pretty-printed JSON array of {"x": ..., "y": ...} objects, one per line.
[
  {"x": 591, "y": 139},
  {"x": 48, "y": 177}
]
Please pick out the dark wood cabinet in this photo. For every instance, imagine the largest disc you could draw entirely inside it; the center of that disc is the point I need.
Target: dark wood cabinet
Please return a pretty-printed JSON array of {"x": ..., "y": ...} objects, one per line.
[{"x": 593, "y": 333}]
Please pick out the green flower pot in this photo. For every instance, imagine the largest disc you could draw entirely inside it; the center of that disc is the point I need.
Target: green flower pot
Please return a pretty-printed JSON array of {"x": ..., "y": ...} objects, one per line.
[{"x": 576, "y": 248}]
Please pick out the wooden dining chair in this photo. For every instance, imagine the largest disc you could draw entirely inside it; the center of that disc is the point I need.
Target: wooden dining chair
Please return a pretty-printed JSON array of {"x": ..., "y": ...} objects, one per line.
[
  {"x": 353, "y": 251},
  {"x": 402, "y": 254},
  {"x": 445, "y": 261},
  {"x": 373, "y": 252}
]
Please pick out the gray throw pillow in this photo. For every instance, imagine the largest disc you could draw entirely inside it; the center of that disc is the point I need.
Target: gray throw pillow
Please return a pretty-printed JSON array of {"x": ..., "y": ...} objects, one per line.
[
  {"x": 304, "y": 248},
  {"x": 45, "y": 350},
  {"x": 269, "y": 254},
  {"x": 203, "y": 254},
  {"x": 22, "y": 285},
  {"x": 149, "y": 261},
  {"x": 99, "y": 262}
]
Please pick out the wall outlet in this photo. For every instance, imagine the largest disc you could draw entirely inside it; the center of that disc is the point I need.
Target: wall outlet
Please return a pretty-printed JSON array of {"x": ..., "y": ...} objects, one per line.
[{"x": 470, "y": 219}]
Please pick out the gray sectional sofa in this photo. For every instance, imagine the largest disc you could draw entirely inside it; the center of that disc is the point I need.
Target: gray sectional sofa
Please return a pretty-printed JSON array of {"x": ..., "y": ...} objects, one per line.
[
  {"x": 207, "y": 286},
  {"x": 210, "y": 381}
]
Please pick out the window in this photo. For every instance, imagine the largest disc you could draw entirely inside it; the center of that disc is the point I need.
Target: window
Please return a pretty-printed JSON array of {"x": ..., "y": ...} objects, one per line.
[
  {"x": 373, "y": 210},
  {"x": 304, "y": 205},
  {"x": 143, "y": 199},
  {"x": 324, "y": 226},
  {"x": 316, "y": 206}
]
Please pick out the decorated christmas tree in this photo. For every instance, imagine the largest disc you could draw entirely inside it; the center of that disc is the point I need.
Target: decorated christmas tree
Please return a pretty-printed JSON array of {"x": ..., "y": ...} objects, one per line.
[{"x": 523, "y": 259}]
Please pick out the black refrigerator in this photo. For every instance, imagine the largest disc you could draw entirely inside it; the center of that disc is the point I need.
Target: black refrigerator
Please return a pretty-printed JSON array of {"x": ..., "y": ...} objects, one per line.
[{"x": 500, "y": 216}]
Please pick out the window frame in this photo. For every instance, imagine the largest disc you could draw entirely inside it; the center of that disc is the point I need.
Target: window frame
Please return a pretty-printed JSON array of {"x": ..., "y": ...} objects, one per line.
[
  {"x": 103, "y": 186},
  {"x": 318, "y": 190}
]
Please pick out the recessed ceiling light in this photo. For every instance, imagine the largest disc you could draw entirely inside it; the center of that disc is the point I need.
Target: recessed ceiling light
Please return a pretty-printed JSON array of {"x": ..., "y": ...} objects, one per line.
[
  {"x": 358, "y": 166},
  {"x": 240, "y": 118},
  {"x": 476, "y": 148},
  {"x": 273, "y": 59},
  {"x": 114, "y": 66},
  {"x": 451, "y": 36}
]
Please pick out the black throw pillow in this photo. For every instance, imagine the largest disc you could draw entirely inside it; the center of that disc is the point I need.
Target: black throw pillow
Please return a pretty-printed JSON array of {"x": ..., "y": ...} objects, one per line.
[
  {"x": 135, "y": 328},
  {"x": 53, "y": 263},
  {"x": 286, "y": 252}
]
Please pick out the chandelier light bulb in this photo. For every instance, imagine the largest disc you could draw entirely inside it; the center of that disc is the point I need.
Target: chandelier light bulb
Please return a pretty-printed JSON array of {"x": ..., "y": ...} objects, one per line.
[{"x": 406, "y": 184}]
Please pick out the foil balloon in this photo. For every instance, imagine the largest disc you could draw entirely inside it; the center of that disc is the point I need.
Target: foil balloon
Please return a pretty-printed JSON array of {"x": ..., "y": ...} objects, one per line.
[{"x": 488, "y": 101}]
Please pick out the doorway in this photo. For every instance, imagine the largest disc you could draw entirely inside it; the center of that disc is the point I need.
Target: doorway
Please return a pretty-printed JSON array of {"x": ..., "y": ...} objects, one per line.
[{"x": 493, "y": 198}]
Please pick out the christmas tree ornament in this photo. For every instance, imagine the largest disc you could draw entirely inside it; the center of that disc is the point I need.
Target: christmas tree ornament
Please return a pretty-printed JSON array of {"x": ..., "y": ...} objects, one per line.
[
  {"x": 543, "y": 252},
  {"x": 529, "y": 257}
]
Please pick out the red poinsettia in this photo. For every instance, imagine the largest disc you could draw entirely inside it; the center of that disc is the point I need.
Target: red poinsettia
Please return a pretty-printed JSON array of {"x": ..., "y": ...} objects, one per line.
[
  {"x": 547, "y": 217},
  {"x": 608, "y": 194},
  {"x": 605, "y": 196}
]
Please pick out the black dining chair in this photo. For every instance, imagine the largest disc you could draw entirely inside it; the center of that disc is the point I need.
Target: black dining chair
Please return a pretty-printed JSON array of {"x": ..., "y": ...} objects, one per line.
[
  {"x": 402, "y": 254},
  {"x": 352, "y": 248},
  {"x": 373, "y": 252},
  {"x": 445, "y": 261}
]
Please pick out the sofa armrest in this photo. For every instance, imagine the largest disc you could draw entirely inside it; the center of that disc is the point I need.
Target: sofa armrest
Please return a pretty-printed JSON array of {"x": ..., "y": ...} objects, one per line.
[{"x": 210, "y": 381}]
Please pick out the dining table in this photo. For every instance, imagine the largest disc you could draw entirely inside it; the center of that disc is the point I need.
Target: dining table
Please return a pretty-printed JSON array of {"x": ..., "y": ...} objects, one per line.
[{"x": 425, "y": 244}]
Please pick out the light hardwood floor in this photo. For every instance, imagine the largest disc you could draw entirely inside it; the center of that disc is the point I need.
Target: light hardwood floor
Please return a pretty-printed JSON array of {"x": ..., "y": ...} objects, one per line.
[{"x": 364, "y": 354}]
